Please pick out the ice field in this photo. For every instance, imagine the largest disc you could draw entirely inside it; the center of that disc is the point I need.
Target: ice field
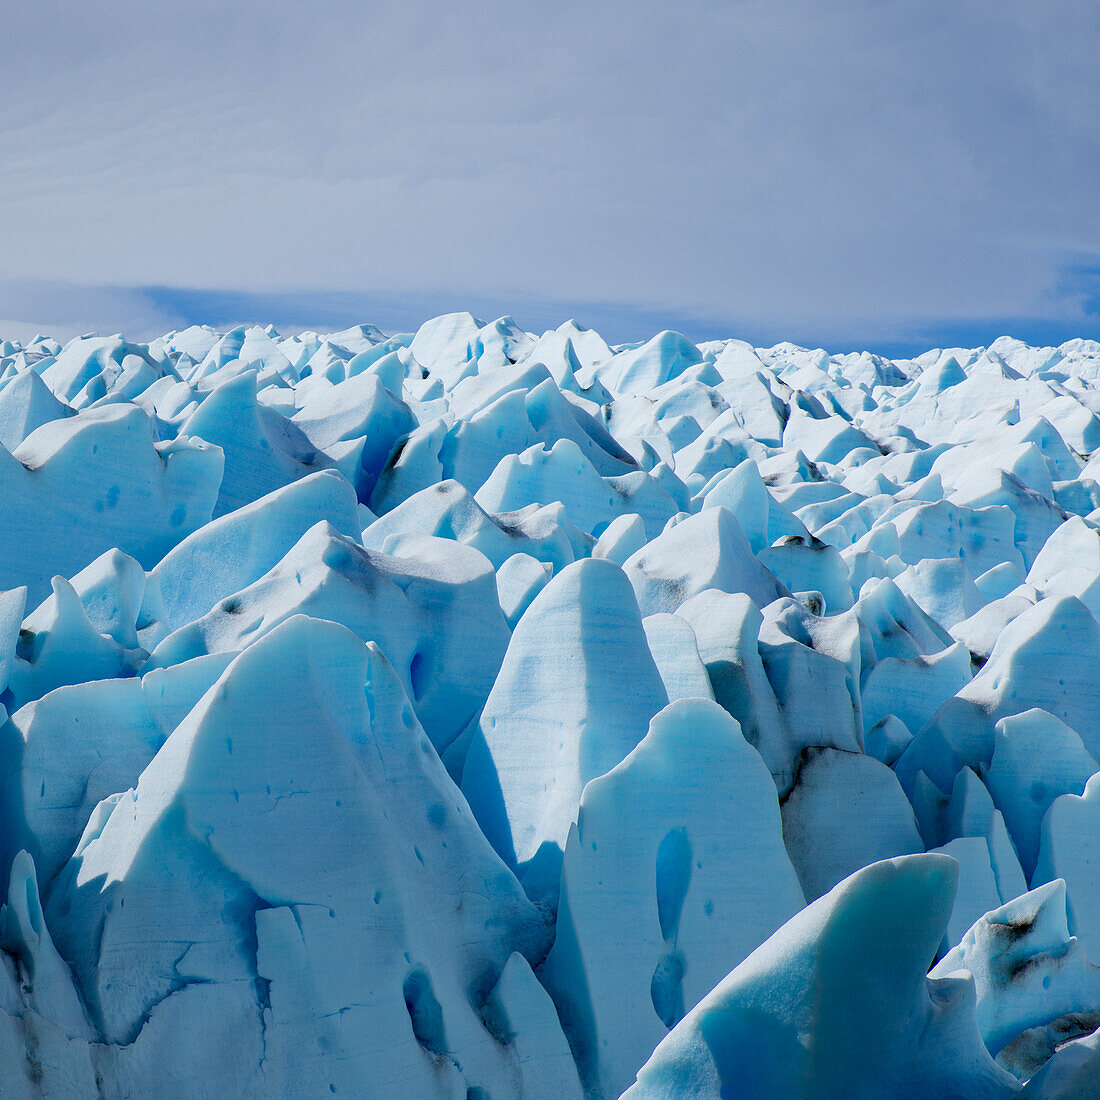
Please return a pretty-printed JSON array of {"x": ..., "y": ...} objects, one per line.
[{"x": 478, "y": 714}]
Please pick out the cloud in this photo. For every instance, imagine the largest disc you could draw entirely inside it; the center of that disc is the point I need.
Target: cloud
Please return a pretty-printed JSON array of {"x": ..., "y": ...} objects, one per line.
[
  {"x": 848, "y": 168},
  {"x": 65, "y": 309}
]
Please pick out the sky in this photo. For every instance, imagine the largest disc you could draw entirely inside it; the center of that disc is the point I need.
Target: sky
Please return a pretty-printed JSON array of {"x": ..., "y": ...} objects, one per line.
[{"x": 842, "y": 173}]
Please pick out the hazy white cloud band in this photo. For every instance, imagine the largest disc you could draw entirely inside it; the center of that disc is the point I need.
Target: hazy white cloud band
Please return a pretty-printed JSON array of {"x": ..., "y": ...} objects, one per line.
[{"x": 855, "y": 166}]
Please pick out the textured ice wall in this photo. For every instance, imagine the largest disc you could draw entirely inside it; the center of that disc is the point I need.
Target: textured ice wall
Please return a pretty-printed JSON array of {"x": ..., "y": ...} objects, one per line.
[{"x": 476, "y": 713}]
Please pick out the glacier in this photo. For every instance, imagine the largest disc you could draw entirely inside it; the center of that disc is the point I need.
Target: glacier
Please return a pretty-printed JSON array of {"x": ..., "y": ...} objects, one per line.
[{"x": 475, "y": 714}]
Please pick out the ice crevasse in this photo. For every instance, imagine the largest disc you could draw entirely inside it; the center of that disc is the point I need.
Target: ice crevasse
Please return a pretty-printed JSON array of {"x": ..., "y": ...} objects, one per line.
[{"x": 477, "y": 713}]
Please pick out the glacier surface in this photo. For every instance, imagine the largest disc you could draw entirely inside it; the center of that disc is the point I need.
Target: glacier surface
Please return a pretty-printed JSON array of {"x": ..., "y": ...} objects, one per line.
[{"x": 480, "y": 714}]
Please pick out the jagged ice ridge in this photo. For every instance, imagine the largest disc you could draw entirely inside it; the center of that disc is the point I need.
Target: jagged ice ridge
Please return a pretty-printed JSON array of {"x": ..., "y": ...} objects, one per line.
[{"x": 476, "y": 714}]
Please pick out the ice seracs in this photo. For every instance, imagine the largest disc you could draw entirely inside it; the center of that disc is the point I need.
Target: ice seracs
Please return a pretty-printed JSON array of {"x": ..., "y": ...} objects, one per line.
[
  {"x": 77, "y": 487},
  {"x": 246, "y": 942},
  {"x": 792, "y": 1020},
  {"x": 473, "y": 712},
  {"x": 674, "y": 872},
  {"x": 575, "y": 693}
]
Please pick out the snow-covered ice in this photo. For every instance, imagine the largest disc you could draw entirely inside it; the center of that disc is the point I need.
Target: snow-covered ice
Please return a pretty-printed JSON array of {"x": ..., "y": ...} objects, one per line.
[{"x": 476, "y": 713}]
